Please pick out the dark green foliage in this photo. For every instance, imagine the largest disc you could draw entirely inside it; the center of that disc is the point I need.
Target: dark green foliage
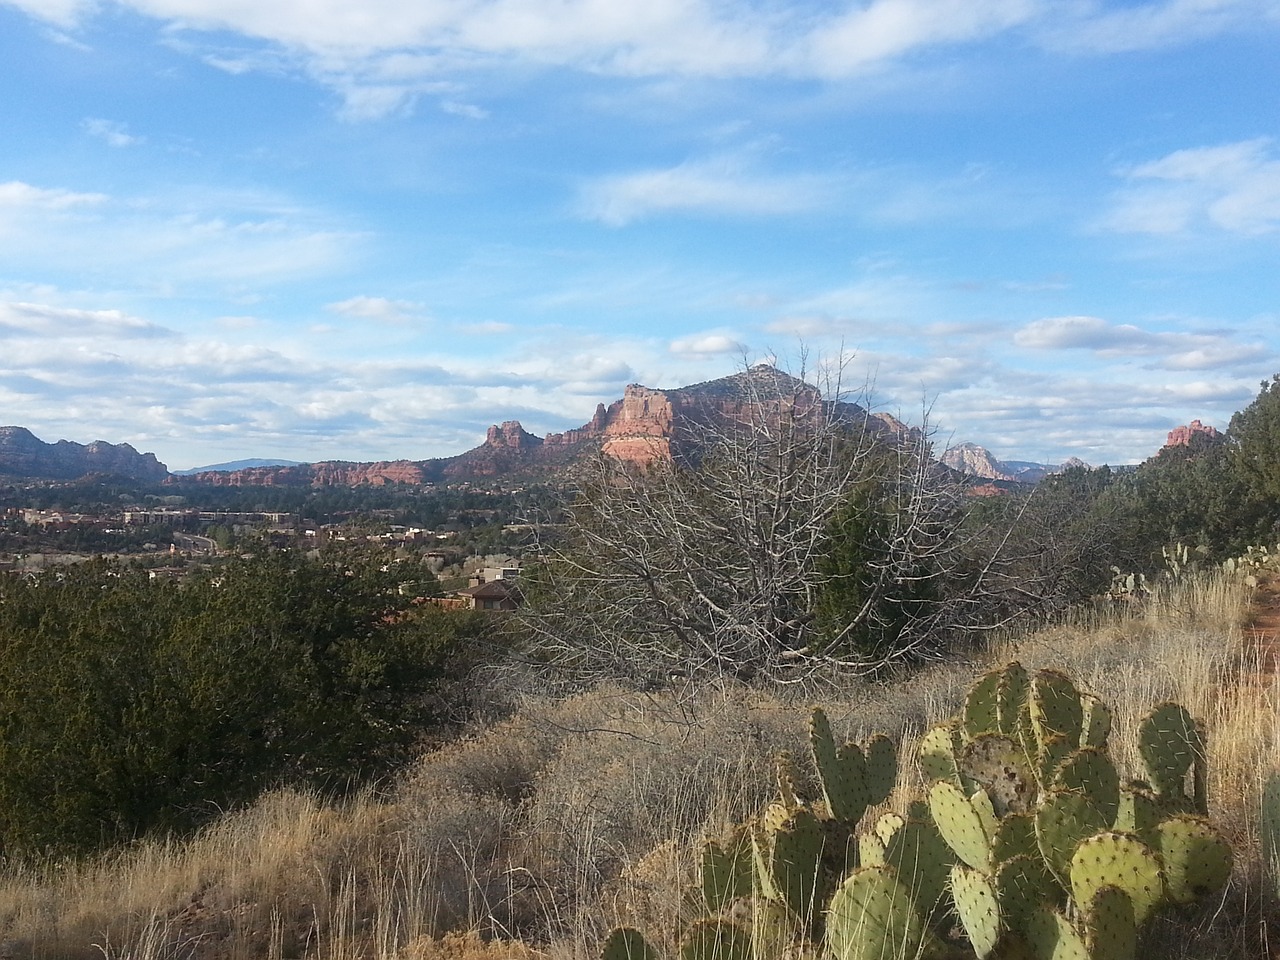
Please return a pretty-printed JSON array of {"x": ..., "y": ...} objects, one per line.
[
  {"x": 1254, "y": 442},
  {"x": 128, "y": 705}
]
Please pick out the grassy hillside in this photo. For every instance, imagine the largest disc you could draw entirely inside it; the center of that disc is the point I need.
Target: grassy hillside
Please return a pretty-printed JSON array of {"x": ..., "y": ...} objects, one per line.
[{"x": 554, "y": 824}]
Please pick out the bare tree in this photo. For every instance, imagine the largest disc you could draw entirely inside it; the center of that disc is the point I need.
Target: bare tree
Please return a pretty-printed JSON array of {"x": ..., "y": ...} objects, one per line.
[{"x": 789, "y": 532}]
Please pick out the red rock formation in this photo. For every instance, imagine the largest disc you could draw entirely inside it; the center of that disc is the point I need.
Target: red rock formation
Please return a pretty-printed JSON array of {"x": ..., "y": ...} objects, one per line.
[
  {"x": 644, "y": 426},
  {"x": 512, "y": 436},
  {"x": 1181, "y": 436},
  {"x": 25, "y": 455}
]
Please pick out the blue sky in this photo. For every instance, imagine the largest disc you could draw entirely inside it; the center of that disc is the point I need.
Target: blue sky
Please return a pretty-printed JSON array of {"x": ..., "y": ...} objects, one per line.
[{"x": 316, "y": 229}]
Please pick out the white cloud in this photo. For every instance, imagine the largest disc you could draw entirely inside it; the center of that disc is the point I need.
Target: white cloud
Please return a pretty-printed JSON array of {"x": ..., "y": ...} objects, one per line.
[
  {"x": 42, "y": 320},
  {"x": 195, "y": 238},
  {"x": 1234, "y": 187},
  {"x": 378, "y": 309},
  {"x": 1173, "y": 350},
  {"x": 716, "y": 187},
  {"x": 708, "y": 344},
  {"x": 380, "y": 56},
  {"x": 113, "y": 133},
  {"x": 468, "y": 110},
  {"x": 884, "y": 30},
  {"x": 1147, "y": 26},
  {"x": 17, "y": 195}
]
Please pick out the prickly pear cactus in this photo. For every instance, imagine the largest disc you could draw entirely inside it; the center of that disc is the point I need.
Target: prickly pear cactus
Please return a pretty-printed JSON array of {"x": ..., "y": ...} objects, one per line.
[
  {"x": 1197, "y": 861},
  {"x": 978, "y": 906},
  {"x": 1121, "y": 861},
  {"x": 716, "y": 939},
  {"x": 624, "y": 943},
  {"x": 1172, "y": 745},
  {"x": 871, "y": 917},
  {"x": 727, "y": 870}
]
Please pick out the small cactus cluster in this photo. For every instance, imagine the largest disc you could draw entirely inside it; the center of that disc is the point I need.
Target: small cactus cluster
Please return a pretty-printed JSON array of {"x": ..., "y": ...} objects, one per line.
[
  {"x": 1180, "y": 560},
  {"x": 1255, "y": 561},
  {"x": 1127, "y": 587},
  {"x": 1027, "y": 846}
]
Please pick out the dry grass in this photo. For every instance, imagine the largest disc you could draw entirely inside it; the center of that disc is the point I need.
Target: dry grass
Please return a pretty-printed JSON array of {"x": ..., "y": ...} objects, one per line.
[{"x": 573, "y": 815}]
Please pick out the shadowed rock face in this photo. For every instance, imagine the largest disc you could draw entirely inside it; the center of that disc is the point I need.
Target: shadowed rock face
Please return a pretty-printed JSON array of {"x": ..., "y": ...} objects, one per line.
[{"x": 23, "y": 454}]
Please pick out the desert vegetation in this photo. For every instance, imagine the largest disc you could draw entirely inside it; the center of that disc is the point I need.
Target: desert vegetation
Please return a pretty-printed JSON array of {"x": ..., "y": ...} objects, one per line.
[{"x": 286, "y": 760}]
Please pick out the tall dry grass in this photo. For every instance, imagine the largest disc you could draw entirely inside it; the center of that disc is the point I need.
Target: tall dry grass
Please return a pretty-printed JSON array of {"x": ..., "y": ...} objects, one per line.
[{"x": 540, "y": 832}]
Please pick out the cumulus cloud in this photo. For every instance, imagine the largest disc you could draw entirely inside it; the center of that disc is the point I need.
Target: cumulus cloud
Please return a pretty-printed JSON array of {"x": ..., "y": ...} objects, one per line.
[
  {"x": 42, "y": 320},
  {"x": 708, "y": 344},
  {"x": 1173, "y": 350},
  {"x": 1233, "y": 187},
  {"x": 719, "y": 187}
]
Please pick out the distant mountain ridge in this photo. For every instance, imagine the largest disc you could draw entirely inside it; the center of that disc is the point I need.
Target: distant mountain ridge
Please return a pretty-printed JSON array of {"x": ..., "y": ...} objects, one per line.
[
  {"x": 23, "y": 454},
  {"x": 645, "y": 425},
  {"x": 976, "y": 461},
  {"x": 234, "y": 465}
]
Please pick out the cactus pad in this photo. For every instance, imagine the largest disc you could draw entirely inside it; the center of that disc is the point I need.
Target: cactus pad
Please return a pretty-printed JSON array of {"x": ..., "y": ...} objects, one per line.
[
  {"x": 1118, "y": 860},
  {"x": 1138, "y": 813},
  {"x": 871, "y": 918},
  {"x": 1016, "y": 836},
  {"x": 1051, "y": 936},
  {"x": 1022, "y": 885},
  {"x": 1055, "y": 707},
  {"x": 922, "y": 860},
  {"x": 794, "y": 863},
  {"x": 871, "y": 850},
  {"x": 888, "y": 825},
  {"x": 976, "y": 903},
  {"x": 1110, "y": 931},
  {"x": 961, "y": 824},
  {"x": 999, "y": 766},
  {"x": 981, "y": 705},
  {"x": 624, "y": 943},
  {"x": 1095, "y": 723},
  {"x": 1011, "y": 698},
  {"x": 937, "y": 753},
  {"x": 1091, "y": 772},
  {"x": 1063, "y": 819},
  {"x": 882, "y": 768},
  {"x": 726, "y": 871},
  {"x": 716, "y": 940},
  {"x": 1197, "y": 861},
  {"x": 1169, "y": 744},
  {"x": 842, "y": 771}
]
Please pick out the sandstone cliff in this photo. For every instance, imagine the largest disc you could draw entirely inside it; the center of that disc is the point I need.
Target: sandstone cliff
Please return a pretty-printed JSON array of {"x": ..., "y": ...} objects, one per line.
[
  {"x": 644, "y": 425},
  {"x": 22, "y": 454},
  {"x": 1182, "y": 436}
]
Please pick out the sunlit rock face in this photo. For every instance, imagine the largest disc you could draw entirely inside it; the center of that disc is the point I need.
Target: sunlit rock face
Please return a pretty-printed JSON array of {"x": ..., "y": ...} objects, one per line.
[{"x": 1181, "y": 436}]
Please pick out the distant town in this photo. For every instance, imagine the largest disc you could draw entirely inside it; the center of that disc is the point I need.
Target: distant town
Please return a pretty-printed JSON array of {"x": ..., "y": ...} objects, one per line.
[{"x": 457, "y": 546}]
